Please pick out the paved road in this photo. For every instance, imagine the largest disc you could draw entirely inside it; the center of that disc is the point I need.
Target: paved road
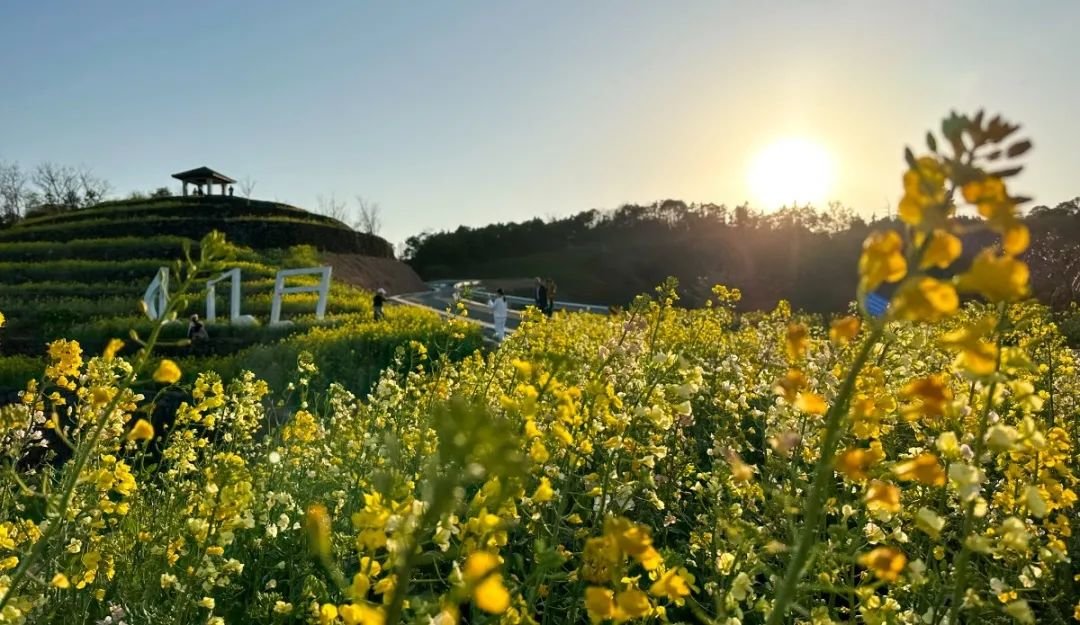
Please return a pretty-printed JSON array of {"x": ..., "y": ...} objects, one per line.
[{"x": 441, "y": 297}]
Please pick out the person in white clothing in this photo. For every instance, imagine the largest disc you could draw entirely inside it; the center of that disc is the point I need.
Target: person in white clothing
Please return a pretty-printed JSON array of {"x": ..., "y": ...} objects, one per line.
[{"x": 498, "y": 311}]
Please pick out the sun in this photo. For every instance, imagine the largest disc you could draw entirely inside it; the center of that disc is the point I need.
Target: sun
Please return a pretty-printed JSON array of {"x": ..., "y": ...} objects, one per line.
[{"x": 789, "y": 172}]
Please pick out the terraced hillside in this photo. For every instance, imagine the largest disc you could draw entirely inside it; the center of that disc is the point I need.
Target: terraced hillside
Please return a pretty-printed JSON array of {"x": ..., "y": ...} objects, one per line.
[
  {"x": 253, "y": 223},
  {"x": 81, "y": 276}
]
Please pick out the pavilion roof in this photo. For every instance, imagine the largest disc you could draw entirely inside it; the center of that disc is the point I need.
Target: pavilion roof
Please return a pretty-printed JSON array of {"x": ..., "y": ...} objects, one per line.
[{"x": 202, "y": 174}]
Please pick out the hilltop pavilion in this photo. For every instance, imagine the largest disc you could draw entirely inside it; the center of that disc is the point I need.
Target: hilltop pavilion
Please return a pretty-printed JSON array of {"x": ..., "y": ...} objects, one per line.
[{"x": 203, "y": 176}]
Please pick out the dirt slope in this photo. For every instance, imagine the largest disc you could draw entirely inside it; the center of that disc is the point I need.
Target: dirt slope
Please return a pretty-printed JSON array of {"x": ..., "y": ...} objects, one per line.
[{"x": 370, "y": 272}]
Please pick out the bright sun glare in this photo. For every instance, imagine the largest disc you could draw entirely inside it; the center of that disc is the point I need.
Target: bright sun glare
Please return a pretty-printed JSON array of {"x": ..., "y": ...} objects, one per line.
[{"x": 791, "y": 172}]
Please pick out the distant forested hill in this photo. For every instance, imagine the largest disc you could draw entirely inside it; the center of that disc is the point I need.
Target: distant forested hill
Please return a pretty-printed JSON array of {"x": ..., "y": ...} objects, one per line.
[{"x": 806, "y": 256}]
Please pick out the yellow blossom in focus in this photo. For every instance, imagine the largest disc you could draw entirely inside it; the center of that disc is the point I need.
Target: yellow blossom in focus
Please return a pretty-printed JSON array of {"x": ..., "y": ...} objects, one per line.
[
  {"x": 167, "y": 372},
  {"x": 886, "y": 563},
  {"x": 60, "y": 581}
]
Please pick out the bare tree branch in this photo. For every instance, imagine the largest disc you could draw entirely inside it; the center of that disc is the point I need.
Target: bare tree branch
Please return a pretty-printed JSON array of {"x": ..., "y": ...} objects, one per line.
[
  {"x": 333, "y": 208},
  {"x": 247, "y": 186},
  {"x": 369, "y": 216},
  {"x": 14, "y": 194}
]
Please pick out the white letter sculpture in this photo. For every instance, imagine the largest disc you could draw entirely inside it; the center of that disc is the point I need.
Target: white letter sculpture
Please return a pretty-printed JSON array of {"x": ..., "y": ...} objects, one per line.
[
  {"x": 233, "y": 276},
  {"x": 323, "y": 289},
  {"x": 156, "y": 298}
]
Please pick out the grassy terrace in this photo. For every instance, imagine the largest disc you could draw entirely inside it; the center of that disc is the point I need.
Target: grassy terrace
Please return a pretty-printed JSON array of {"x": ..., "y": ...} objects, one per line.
[{"x": 81, "y": 276}]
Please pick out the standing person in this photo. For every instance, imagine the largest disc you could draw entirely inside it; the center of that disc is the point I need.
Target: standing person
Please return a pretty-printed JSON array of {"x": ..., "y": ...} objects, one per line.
[
  {"x": 498, "y": 312},
  {"x": 196, "y": 330},
  {"x": 377, "y": 303},
  {"x": 541, "y": 295},
  {"x": 549, "y": 306}
]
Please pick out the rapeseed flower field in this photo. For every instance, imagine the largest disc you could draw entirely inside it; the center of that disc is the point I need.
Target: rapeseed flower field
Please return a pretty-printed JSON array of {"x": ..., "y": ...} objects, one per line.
[{"x": 655, "y": 465}]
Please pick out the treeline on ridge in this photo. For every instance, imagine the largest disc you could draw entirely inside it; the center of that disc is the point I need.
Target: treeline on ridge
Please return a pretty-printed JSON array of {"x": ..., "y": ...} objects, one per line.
[{"x": 801, "y": 254}]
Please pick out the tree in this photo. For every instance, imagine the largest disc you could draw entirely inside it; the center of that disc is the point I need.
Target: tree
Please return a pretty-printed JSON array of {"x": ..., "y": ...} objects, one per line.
[
  {"x": 161, "y": 192},
  {"x": 247, "y": 186},
  {"x": 369, "y": 216},
  {"x": 68, "y": 188},
  {"x": 333, "y": 208},
  {"x": 58, "y": 185},
  {"x": 13, "y": 192}
]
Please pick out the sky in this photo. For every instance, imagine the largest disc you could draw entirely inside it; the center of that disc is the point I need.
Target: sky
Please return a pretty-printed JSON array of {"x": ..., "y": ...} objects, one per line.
[{"x": 451, "y": 113}]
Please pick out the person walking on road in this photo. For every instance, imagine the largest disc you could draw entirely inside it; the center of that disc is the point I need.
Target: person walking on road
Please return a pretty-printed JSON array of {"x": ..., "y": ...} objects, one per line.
[
  {"x": 549, "y": 305},
  {"x": 498, "y": 312},
  {"x": 541, "y": 295}
]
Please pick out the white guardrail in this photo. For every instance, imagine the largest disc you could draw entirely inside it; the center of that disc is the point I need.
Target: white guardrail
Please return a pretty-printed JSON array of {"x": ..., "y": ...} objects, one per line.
[{"x": 486, "y": 296}]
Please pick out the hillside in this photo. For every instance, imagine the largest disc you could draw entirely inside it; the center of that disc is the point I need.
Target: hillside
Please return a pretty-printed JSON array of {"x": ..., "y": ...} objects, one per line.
[
  {"x": 253, "y": 223},
  {"x": 81, "y": 275}
]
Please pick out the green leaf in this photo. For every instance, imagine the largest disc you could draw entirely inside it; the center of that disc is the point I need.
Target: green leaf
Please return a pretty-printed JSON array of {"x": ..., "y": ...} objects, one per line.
[
  {"x": 931, "y": 142},
  {"x": 910, "y": 158}
]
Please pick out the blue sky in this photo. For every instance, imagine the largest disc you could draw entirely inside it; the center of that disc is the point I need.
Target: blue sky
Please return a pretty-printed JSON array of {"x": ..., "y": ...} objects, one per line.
[{"x": 451, "y": 113}]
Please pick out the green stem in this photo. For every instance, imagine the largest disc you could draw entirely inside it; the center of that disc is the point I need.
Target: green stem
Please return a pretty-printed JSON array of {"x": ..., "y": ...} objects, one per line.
[{"x": 815, "y": 499}]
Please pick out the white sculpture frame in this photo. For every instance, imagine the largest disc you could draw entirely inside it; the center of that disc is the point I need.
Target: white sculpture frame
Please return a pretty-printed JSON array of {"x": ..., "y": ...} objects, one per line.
[
  {"x": 233, "y": 276},
  {"x": 156, "y": 297},
  {"x": 280, "y": 290}
]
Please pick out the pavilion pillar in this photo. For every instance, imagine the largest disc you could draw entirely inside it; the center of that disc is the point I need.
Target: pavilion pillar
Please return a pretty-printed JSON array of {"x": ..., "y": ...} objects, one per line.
[{"x": 183, "y": 185}]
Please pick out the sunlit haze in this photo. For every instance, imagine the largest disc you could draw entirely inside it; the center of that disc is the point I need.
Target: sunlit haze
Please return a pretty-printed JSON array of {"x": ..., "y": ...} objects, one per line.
[
  {"x": 791, "y": 172},
  {"x": 467, "y": 113}
]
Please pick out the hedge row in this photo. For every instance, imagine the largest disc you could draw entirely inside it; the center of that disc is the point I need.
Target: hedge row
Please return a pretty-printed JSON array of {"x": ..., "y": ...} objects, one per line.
[
  {"x": 217, "y": 205},
  {"x": 139, "y": 270},
  {"x": 116, "y": 248},
  {"x": 255, "y": 232}
]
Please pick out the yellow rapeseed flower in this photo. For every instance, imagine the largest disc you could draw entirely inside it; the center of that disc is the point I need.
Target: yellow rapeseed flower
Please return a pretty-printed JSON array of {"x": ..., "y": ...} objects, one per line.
[
  {"x": 674, "y": 585},
  {"x": 633, "y": 603},
  {"x": 924, "y": 204},
  {"x": 882, "y": 496},
  {"x": 60, "y": 581},
  {"x": 317, "y": 523},
  {"x": 853, "y": 463},
  {"x": 811, "y": 403},
  {"x": 941, "y": 251},
  {"x": 931, "y": 396},
  {"x": 167, "y": 372},
  {"x": 600, "y": 604},
  {"x": 925, "y": 299},
  {"x": 141, "y": 431},
  {"x": 796, "y": 341},
  {"x": 882, "y": 259},
  {"x": 114, "y": 346},
  {"x": 923, "y": 468},
  {"x": 491, "y": 596},
  {"x": 544, "y": 492},
  {"x": 478, "y": 565},
  {"x": 842, "y": 330},
  {"x": 886, "y": 563},
  {"x": 997, "y": 278}
]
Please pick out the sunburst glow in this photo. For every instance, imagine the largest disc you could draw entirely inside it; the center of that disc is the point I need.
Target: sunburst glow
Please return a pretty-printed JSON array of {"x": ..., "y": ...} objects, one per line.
[{"x": 791, "y": 171}]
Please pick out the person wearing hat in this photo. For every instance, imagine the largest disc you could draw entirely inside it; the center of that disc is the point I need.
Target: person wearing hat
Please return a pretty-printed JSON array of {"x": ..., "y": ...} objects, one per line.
[{"x": 377, "y": 303}]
